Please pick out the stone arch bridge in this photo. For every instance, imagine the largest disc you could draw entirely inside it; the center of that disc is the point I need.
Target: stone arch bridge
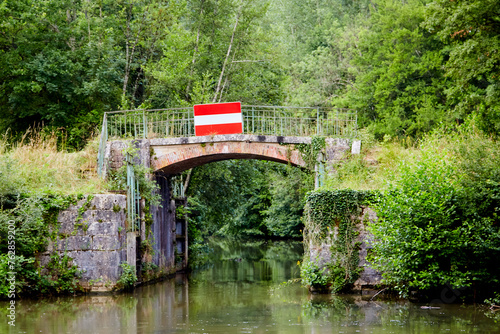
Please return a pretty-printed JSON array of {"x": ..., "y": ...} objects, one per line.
[
  {"x": 165, "y": 142},
  {"x": 175, "y": 155}
]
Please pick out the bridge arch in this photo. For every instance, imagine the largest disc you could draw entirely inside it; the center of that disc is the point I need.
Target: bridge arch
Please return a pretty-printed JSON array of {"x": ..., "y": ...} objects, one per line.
[{"x": 176, "y": 157}]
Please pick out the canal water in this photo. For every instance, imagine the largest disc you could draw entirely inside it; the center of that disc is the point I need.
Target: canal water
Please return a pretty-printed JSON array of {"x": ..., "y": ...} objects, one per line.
[{"x": 240, "y": 290}]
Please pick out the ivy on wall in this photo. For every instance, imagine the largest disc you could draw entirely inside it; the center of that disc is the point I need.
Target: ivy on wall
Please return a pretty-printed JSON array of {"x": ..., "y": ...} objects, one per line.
[
  {"x": 310, "y": 152},
  {"x": 330, "y": 219}
]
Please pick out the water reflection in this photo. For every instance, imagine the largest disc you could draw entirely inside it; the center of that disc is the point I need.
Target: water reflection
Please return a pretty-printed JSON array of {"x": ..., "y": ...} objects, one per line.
[{"x": 239, "y": 292}]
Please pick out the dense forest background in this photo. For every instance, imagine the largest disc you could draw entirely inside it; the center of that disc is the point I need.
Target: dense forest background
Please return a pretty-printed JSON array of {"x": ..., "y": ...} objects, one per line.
[{"x": 406, "y": 66}]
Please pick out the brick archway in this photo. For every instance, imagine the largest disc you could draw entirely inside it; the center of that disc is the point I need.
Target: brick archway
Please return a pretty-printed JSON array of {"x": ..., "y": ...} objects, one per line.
[{"x": 177, "y": 158}]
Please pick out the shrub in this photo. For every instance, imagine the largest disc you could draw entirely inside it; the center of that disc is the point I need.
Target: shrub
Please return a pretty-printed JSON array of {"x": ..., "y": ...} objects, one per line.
[
  {"x": 127, "y": 278},
  {"x": 313, "y": 276},
  {"x": 438, "y": 223}
]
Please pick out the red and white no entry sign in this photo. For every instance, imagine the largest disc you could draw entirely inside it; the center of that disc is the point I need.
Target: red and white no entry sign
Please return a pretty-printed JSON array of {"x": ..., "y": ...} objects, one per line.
[{"x": 218, "y": 119}]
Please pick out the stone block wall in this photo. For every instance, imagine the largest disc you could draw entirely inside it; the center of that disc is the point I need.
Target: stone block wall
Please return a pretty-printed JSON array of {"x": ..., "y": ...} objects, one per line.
[{"x": 93, "y": 233}]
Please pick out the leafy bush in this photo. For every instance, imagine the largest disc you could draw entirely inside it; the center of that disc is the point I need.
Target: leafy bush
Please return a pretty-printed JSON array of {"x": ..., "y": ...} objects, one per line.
[
  {"x": 59, "y": 276},
  {"x": 34, "y": 218},
  {"x": 127, "y": 278},
  {"x": 148, "y": 188},
  {"x": 438, "y": 223},
  {"x": 313, "y": 276}
]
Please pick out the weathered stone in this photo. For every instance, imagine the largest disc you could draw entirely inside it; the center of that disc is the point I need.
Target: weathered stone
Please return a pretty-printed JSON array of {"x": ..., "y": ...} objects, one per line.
[
  {"x": 322, "y": 254},
  {"x": 369, "y": 276},
  {"x": 74, "y": 243},
  {"x": 106, "y": 243},
  {"x": 230, "y": 138},
  {"x": 66, "y": 223},
  {"x": 177, "y": 154},
  {"x": 94, "y": 240},
  {"x": 131, "y": 248},
  {"x": 356, "y": 147},
  {"x": 176, "y": 158},
  {"x": 100, "y": 216},
  {"x": 109, "y": 228},
  {"x": 107, "y": 202},
  {"x": 98, "y": 264}
]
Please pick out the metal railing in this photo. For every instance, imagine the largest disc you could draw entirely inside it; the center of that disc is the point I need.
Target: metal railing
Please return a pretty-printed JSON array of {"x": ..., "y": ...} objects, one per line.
[
  {"x": 258, "y": 120},
  {"x": 133, "y": 196}
]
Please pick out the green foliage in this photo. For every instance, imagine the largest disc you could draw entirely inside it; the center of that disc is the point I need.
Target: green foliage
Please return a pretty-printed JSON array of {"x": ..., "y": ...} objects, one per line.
[
  {"x": 35, "y": 219},
  {"x": 399, "y": 86},
  {"x": 313, "y": 276},
  {"x": 34, "y": 216},
  {"x": 493, "y": 300},
  {"x": 59, "y": 276},
  {"x": 11, "y": 181},
  {"x": 328, "y": 208},
  {"x": 406, "y": 66},
  {"x": 354, "y": 171},
  {"x": 438, "y": 223},
  {"x": 328, "y": 278},
  {"x": 311, "y": 151},
  {"x": 127, "y": 278},
  {"x": 27, "y": 275},
  {"x": 148, "y": 188},
  {"x": 149, "y": 271},
  {"x": 64, "y": 63},
  {"x": 288, "y": 192},
  {"x": 246, "y": 197},
  {"x": 471, "y": 33}
]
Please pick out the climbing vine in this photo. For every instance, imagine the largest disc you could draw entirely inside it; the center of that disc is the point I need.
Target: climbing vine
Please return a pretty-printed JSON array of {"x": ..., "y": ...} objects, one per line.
[
  {"x": 33, "y": 218},
  {"x": 310, "y": 152},
  {"x": 331, "y": 218}
]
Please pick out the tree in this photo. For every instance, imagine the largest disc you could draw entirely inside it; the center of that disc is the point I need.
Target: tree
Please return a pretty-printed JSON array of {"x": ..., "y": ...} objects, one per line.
[
  {"x": 399, "y": 88},
  {"x": 218, "y": 53},
  {"x": 471, "y": 30}
]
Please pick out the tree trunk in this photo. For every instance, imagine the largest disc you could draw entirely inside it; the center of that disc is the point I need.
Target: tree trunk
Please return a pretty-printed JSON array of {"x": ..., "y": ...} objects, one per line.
[
  {"x": 195, "y": 52},
  {"x": 217, "y": 90}
]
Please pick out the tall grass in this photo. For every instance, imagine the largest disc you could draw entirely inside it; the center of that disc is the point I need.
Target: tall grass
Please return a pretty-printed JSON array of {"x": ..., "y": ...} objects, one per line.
[
  {"x": 35, "y": 164},
  {"x": 374, "y": 168},
  {"x": 379, "y": 163}
]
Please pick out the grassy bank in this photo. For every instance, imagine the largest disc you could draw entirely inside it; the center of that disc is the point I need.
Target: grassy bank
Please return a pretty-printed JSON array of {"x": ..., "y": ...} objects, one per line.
[
  {"x": 37, "y": 180},
  {"x": 36, "y": 165}
]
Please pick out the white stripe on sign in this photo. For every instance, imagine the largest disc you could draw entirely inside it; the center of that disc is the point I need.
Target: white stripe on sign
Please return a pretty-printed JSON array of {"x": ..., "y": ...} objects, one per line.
[{"x": 217, "y": 119}]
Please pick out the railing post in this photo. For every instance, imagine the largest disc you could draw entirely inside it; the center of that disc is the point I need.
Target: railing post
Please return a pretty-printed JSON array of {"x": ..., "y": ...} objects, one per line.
[
  {"x": 356, "y": 125},
  {"x": 130, "y": 192},
  {"x": 102, "y": 146},
  {"x": 317, "y": 121},
  {"x": 253, "y": 120},
  {"x": 319, "y": 168},
  {"x": 133, "y": 195},
  {"x": 275, "y": 130},
  {"x": 145, "y": 125}
]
